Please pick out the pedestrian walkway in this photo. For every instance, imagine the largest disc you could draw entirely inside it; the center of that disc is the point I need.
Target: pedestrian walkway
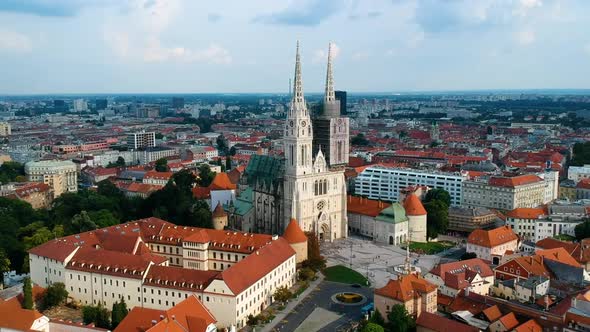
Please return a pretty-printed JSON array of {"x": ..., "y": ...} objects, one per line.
[{"x": 292, "y": 304}]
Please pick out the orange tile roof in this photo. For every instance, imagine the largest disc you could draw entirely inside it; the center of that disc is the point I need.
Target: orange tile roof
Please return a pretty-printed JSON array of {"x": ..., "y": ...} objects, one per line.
[
  {"x": 187, "y": 316},
  {"x": 474, "y": 264},
  {"x": 239, "y": 277},
  {"x": 112, "y": 262},
  {"x": 201, "y": 192},
  {"x": 558, "y": 254},
  {"x": 31, "y": 188},
  {"x": 509, "y": 321},
  {"x": 511, "y": 182},
  {"x": 365, "y": 206},
  {"x": 434, "y": 322},
  {"x": 532, "y": 264},
  {"x": 12, "y": 316},
  {"x": 222, "y": 182},
  {"x": 583, "y": 184},
  {"x": 492, "y": 313},
  {"x": 293, "y": 233},
  {"x": 526, "y": 213},
  {"x": 492, "y": 238},
  {"x": 406, "y": 287},
  {"x": 178, "y": 277},
  {"x": 413, "y": 206},
  {"x": 144, "y": 188}
]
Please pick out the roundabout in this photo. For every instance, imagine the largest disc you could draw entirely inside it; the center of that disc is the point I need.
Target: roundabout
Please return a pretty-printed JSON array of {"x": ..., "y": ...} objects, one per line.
[{"x": 349, "y": 299}]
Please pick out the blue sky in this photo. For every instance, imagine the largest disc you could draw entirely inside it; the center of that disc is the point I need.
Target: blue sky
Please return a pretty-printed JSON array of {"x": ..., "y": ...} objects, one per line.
[{"x": 192, "y": 46}]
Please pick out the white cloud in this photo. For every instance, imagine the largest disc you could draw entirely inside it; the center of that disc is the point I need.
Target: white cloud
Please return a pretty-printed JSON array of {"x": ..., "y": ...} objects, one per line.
[
  {"x": 212, "y": 54},
  {"x": 360, "y": 55},
  {"x": 525, "y": 37},
  {"x": 12, "y": 41},
  {"x": 321, "y": 55}
]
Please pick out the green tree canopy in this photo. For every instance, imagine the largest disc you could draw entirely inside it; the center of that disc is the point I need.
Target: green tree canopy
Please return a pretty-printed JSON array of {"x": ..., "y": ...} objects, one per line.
[
  {"x": 437, "y": 218},
  {"x": 399, "y": 320},
  {"x": 10, "y": 170},
  {"x": 438, "y": 194},
  {"x": 27, "y": 294},
  {"x": 162, "y": 165},
  {"x": 372, "y": 327},
  {"x": 359, "y": 139},
  {"x": 55, "y": 294},
  {"x": 582, "y": 230},
  {"x": 118, "y": 313},
  {"x": 206, "y": 176}
]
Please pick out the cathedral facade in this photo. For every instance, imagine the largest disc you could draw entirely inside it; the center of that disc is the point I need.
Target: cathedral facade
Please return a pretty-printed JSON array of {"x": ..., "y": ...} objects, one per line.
[{"x": 303, "y": 185}]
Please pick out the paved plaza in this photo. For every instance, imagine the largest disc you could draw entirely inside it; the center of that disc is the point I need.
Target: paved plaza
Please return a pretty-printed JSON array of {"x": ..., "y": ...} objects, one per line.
[
  {"x": 374, "y": 260},
  {"x": 318, "y": 319}
]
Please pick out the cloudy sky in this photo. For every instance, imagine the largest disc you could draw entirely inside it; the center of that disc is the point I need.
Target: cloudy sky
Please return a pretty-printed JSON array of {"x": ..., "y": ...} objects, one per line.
[{"x": 192, "y": 46}]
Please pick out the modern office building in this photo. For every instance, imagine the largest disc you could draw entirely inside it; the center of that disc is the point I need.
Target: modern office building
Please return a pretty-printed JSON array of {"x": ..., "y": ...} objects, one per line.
[
  {"x": 80, "y": 105},
  {"x": 177, "y": 102},
  {"x": 101, "y": 104},
  {"x": 385, "y": 183},
  {"x": 341, "y": 98},
  {"x": 506, "y": 193},
  {"x": 61, "y": 176},
  {"x": 141, "y": 140}
]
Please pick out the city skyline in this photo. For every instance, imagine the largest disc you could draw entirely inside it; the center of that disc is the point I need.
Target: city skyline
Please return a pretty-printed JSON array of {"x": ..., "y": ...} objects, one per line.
[{"x": 86, "y": 47}]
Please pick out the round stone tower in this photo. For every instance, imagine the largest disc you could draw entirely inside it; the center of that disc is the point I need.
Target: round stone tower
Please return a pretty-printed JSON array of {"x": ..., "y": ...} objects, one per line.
[
  {"x": 297, "y": 239},
  {"x": 219, "y": 217},
  {"x": 416, "y": 218}
]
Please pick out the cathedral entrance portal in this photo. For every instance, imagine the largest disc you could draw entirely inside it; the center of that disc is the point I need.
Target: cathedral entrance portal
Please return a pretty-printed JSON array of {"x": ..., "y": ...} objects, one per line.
[{"x": 324, "y": 233}]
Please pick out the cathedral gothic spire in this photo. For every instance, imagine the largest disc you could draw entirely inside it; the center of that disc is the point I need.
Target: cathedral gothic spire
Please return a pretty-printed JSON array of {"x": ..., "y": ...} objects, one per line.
[{"x": 330, "y": 97}]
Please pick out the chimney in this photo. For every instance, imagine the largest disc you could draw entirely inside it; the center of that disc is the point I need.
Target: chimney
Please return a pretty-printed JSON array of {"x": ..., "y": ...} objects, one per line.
[
  {"x": 161, "y": 317},
  {"x": 154, "y": 322},
  {"x": 546, "y": 302},
  {"x": 173, "y": 317}
]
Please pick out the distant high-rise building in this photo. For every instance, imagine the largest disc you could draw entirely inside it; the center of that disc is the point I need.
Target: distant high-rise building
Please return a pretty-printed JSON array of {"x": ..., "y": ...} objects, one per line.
[
  {"x": 177, "y": 102},
  {"x": 80, "y": 105},
  {"x": 341, "y": 97},
  {"x": 5, "y": 129},
  {"x": 141, "y": 140},
  {"x": 58, "y": 103},
  {"x": 101, "y": 104}
]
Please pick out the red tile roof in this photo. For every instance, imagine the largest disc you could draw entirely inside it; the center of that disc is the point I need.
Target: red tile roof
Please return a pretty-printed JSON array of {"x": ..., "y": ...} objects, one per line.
[
  {"x": 413, "y": 206},
  {"x": 239, "y": 277},
  {"x": 509, "y": 321},
  {"x": 434, "y": 322},
  {"x": 458, "y": 275},
  {"x": 365, "y": 206},
  {"x": 219, "y": 212},
  {"x": 526, "y": 213},
  {"x": 201, "y": 192},
  {"x": 158, "y": 175},
  {"x": 511, "y": 182},
  {"x": 31, "y": 188},
  {"x": 178, "y": 277},
  {"x": 406, "y": 287},
  {"x": 112, "y": 262},
  {"x": 222, "y": 182},
  {"x": 144, "y": 188},
  {"x": 492, "y": 313},
  {"x": 492, "y": 238},
  {"x": 583, "y": 184},
  {"x": 187, "y": 316},
  {"x": 293, "y": 233},
  {"x": 558, "y": 254},
  {"x": 12, "y": 316}
]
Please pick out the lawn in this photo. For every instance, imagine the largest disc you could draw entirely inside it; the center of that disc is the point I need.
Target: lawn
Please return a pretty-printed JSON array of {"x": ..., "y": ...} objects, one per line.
[
  {"x": 429, "y": 248},
  {"x": 339, "y": 273}
]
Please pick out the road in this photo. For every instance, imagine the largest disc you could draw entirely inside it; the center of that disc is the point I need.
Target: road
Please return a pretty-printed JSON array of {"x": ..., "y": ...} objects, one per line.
[{"x": 321, "y": 297}]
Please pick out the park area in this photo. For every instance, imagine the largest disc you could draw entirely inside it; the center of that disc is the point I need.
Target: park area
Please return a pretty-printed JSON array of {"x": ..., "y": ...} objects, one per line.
[
  {"x": 430, "y": 248},
  {"x": 340, "y": 273}
]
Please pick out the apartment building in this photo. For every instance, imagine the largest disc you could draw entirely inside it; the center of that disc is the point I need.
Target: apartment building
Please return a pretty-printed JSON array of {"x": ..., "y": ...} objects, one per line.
[
  {"x": 385, "y": 183},
  {"x": 536, "y": 224},
  {"x": 5, "y": 129},
  {"x": 505, "y": 193},
  {"x": 492, "y": 245},
  {"x": 154, "y": 264},
  {"x": 141, "y": 140},
  {"x": 577, "y": 173},
  {"x": 61, "y": 176},
  {"x": 469, "y": 219}
]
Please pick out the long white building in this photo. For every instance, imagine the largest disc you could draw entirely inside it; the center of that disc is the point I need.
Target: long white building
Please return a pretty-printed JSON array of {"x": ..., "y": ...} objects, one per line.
[
  {"x": 154, "y": 264},
  {"x": 384, "y": 183}
]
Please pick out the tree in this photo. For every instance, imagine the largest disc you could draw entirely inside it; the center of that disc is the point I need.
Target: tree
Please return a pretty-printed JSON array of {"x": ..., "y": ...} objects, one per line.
[
  {"x": 98, "y": 315},
  {"x": 102, "y": 218},
  {"x": 582, "y": 230},
  {"x": 227, "y": 162},
  {"x": 222, "y": 144},
  {"x": 27, "y": 294},
  {"x": 437, "y": 218},
  {"x": 119, "y": 163},
  {"x": 232, "y": 151},
  {"x": 399, "y": 320},
  {"x": 403, "y": 134},
  {"x": 438, "y": 194},
  {"x": 159, "y": 136},
  {"x": 10, "y": 170},
  {"x": 108, "y": 189},
  {"x": 372, "y": 327},
  {"x": 185, "y": 180},
  {"x": 118, "y": 313},
  {"x": 162, "y": 165},
  {"x": 82, "y": 222},
  {"x": 4, "y": 264},
  {"x": 359, "y": 139},
  {"x": 306, "y": 273},
  {"x": 55, "y": 294},
  {"x": 468, "y": 255},
  {"x": 206, "y": 176},
  {"x": 252, "y": 320},
  {"x": 315, "y": 260},
  {"x": 377, "y": 318},
  {"x": 282, "y": 294}
]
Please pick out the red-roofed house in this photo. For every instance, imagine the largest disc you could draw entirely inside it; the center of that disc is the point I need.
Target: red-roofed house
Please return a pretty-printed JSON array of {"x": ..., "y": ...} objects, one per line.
[
  {"x": 189, "y": 315},
  {"x": 473, "y": 274},
  {"x": 523, "y": 221},
  {"x": 431, "y": 322},
  {"x": 505, "y": 323},
  {"x": 491, "y": 245},
  {"x": 222, "y": 190},
  {"x": 38, "y": 194},
  {"x": 413, "y": 291},
  {"x": 13, "y": 318}
]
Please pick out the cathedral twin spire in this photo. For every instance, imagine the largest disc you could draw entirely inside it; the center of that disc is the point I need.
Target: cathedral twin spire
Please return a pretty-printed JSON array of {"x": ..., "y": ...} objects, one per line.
[{"x": 298, "y": 103}]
